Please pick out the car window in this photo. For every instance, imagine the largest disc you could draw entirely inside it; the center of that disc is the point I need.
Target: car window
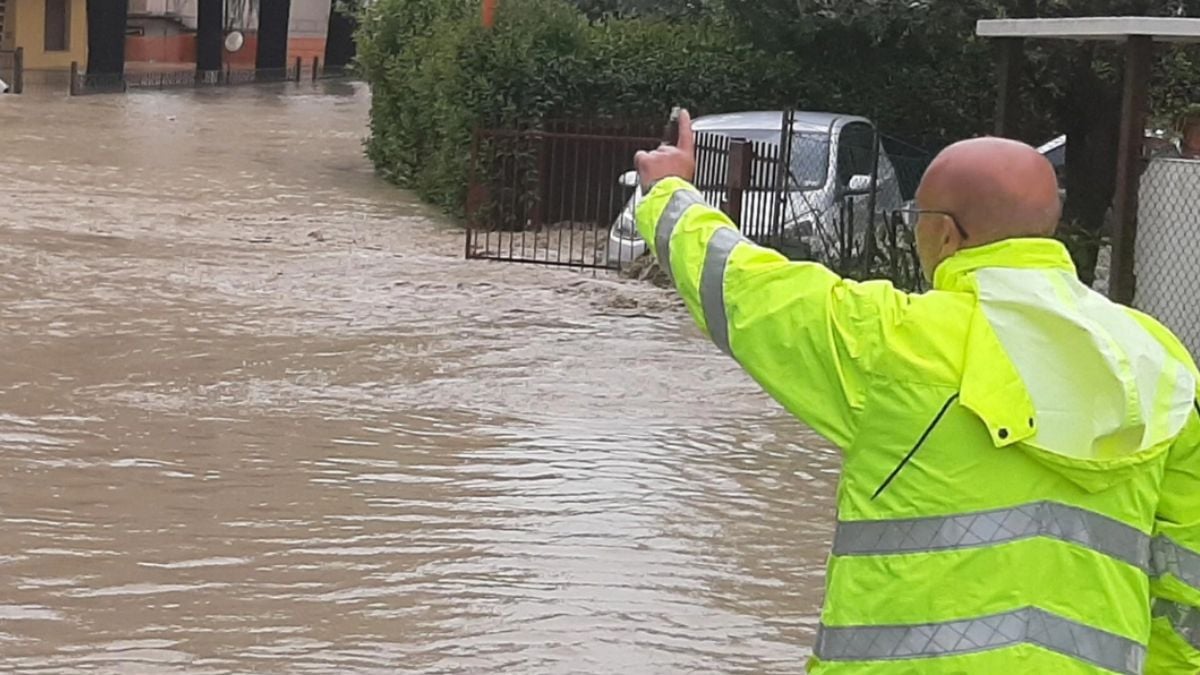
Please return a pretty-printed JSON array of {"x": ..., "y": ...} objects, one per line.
[
  {"x": 810, "y": 160},
  {"x": 856, "y": 147}
]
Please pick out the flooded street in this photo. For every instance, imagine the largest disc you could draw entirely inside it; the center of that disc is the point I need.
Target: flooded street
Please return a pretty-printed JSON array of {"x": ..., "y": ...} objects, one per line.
[{"x": 257, "y": 414}]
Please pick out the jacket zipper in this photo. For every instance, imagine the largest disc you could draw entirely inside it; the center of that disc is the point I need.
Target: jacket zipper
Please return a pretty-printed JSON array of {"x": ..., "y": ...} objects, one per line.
[{"x": 921, "y": 441}]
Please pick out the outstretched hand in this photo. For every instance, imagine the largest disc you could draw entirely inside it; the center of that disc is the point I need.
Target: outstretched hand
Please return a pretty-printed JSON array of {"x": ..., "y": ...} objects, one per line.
[{"x": 669, "y": 161}]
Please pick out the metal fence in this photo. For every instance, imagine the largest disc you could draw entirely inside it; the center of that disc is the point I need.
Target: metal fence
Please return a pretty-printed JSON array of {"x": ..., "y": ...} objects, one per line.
[
  {"x": 567, "y": 195},
  {"x": 1167, "y": 251},
  {"x": 552, "y": 195},
  {"x": 90, "y": 83}
]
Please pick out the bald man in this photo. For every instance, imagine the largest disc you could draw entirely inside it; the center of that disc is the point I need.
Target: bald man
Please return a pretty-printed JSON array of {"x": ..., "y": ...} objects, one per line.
[{"x": 1021, "y": 479}]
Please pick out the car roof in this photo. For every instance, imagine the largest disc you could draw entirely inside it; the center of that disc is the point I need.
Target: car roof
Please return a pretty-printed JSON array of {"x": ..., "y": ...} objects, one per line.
[{"x": 764, "y": 120}]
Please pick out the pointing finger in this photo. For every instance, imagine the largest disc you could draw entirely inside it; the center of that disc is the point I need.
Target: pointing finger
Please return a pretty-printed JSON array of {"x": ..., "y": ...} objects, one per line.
[{"x": 687, "y": 140}]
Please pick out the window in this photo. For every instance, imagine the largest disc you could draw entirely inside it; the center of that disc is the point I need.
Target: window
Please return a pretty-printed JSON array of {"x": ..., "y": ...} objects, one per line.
[
  {"x": 58, "y": 25},
  {"x": 856, "y": 145}
]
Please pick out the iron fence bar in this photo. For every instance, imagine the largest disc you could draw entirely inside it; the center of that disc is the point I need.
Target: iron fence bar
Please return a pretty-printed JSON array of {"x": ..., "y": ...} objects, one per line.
[
  {"x": 574, "y": 206},
  {"x": 472, "y": 188},
  {"x": 560, "y": 156},
  {"x": 868, "y": 252},
  {"x": 783, "y": 171}
]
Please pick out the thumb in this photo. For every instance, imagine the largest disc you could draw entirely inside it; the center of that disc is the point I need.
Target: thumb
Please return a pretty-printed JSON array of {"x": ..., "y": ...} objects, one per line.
[{"x": 687, "y": 139}]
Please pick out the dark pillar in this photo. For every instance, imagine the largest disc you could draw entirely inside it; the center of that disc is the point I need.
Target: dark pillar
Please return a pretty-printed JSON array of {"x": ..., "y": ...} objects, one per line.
[
  {"x": 106, "y": 36},
  {"x": 210, "y": 24},
  {"x": 339, "y": 40},
  {"x": 18, "y": 83},
  {"x": 273, "y": 34},
  {"x": 1139, "y": 50},
  {"x": 1009, "y": 65}
]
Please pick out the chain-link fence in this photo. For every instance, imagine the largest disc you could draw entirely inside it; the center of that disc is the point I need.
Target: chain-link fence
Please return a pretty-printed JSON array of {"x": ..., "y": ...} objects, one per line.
[
  {"x": 1167, "y": 255},
  {"x": 850, "y": 186}
]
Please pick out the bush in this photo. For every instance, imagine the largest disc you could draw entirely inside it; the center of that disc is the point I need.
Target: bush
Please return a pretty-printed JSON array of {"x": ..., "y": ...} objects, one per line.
[{"x": 436, "y": 74}]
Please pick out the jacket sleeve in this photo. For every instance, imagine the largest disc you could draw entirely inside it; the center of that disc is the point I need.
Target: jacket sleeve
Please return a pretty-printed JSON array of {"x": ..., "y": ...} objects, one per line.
[
  {"x": 1175, "y": 561},
  {"x": 806, "y": 335}
]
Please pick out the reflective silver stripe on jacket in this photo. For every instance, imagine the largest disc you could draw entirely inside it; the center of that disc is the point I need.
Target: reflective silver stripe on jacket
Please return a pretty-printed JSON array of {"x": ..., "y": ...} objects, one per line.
[
  {"x": 1185, "y": 620},
  {"x": 1170, "y": 558},
  {"x": 1023, "y": 626},
  {"x": 984, "y": 528},
  {"x": 680, "y": 202},
  {"x": 712, "y": 285}
]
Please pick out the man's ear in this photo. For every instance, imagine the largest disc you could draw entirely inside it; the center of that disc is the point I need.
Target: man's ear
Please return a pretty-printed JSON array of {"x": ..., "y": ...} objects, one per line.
[{"x": 951, "y": 239}]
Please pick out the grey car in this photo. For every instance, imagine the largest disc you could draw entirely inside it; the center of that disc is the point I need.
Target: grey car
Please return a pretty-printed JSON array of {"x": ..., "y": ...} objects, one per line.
[{"x": 828, "y": 165}]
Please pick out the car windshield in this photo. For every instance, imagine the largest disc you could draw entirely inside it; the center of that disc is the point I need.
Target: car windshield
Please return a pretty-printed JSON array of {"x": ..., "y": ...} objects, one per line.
[
  {"x": 809, "y": 163},
  {"x": 810, "y": 160}
]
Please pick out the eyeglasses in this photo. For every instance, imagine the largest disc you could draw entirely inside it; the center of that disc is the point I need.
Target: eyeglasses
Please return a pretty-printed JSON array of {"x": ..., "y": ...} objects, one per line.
[{"x": 912, "y": 216}]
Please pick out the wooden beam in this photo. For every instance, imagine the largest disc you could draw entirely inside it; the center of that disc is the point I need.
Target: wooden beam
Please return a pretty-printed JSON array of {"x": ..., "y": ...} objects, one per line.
[{"x": 1139, "y": 50}]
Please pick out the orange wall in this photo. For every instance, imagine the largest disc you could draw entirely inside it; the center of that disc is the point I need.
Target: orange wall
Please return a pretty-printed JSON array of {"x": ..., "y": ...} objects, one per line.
[
  {"x": 163, "y": 49},
  {"x": 306, "y": 48},
  {"x": 182, "y": 49},
  {"x": 244, "y": 57}
]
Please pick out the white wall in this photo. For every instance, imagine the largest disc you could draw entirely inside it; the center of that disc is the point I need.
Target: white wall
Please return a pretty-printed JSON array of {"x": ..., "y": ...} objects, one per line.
[{"x": 310, "y": 17}]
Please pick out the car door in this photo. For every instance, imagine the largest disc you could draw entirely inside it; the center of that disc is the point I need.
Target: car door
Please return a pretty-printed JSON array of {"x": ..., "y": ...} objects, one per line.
[{"x": 855, "y": 157}]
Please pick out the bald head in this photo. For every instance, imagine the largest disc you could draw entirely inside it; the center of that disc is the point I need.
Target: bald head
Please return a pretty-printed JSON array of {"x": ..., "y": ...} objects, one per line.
[{"x": 996, "y": 188}]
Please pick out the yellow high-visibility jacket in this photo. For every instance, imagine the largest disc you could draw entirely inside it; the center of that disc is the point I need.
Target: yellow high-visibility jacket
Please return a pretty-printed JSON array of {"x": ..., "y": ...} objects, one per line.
[{"x": 1021, "y": 482}]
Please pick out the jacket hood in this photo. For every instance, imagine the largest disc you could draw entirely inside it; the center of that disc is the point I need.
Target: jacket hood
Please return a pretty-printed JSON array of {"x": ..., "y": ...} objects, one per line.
[{"x": 1060, "y": 371}]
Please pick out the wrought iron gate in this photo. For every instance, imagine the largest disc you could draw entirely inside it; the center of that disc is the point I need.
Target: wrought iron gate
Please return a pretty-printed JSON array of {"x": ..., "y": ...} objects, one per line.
[{"x": 564, "y": 194}]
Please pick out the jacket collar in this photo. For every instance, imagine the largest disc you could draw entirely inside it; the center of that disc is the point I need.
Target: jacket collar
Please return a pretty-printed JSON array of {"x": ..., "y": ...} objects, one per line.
[{"x": 1022, "y": 253}]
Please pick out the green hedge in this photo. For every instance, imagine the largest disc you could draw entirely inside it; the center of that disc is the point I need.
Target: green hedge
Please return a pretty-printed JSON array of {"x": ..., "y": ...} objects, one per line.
[{"x": 436, "y": 74}]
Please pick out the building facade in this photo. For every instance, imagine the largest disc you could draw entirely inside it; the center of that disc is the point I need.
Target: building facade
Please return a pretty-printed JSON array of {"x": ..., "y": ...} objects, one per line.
[
  {"x": 164, "y": 31},
  {"x": 160, "y": 34},
  {"x": 53, "y": 33}
]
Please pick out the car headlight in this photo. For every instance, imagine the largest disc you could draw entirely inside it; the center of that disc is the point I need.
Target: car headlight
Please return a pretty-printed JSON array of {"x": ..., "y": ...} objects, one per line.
[{"x": 626, "y": 225}]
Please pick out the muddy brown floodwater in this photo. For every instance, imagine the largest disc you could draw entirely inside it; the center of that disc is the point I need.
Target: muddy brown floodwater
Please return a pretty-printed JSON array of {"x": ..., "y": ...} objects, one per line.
[{"x": 258, "y": 416}]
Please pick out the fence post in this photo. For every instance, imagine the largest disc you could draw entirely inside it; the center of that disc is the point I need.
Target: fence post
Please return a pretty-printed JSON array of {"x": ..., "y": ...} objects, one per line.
[
  {"x": 18, "y": 83},
  {"x": 741, "y": 158},
  {"x": 228, "y": 74},
  {"x": 1139, "y": 52},
  {"x": 872, "y": 202},
  {"x": 1008, "y": 75},
  {"x": 72, "y": 86},
  {"x": 474, "y": 196},
  {"x": 316, "y": 67},
  {"x": 299, "y": 65}
]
